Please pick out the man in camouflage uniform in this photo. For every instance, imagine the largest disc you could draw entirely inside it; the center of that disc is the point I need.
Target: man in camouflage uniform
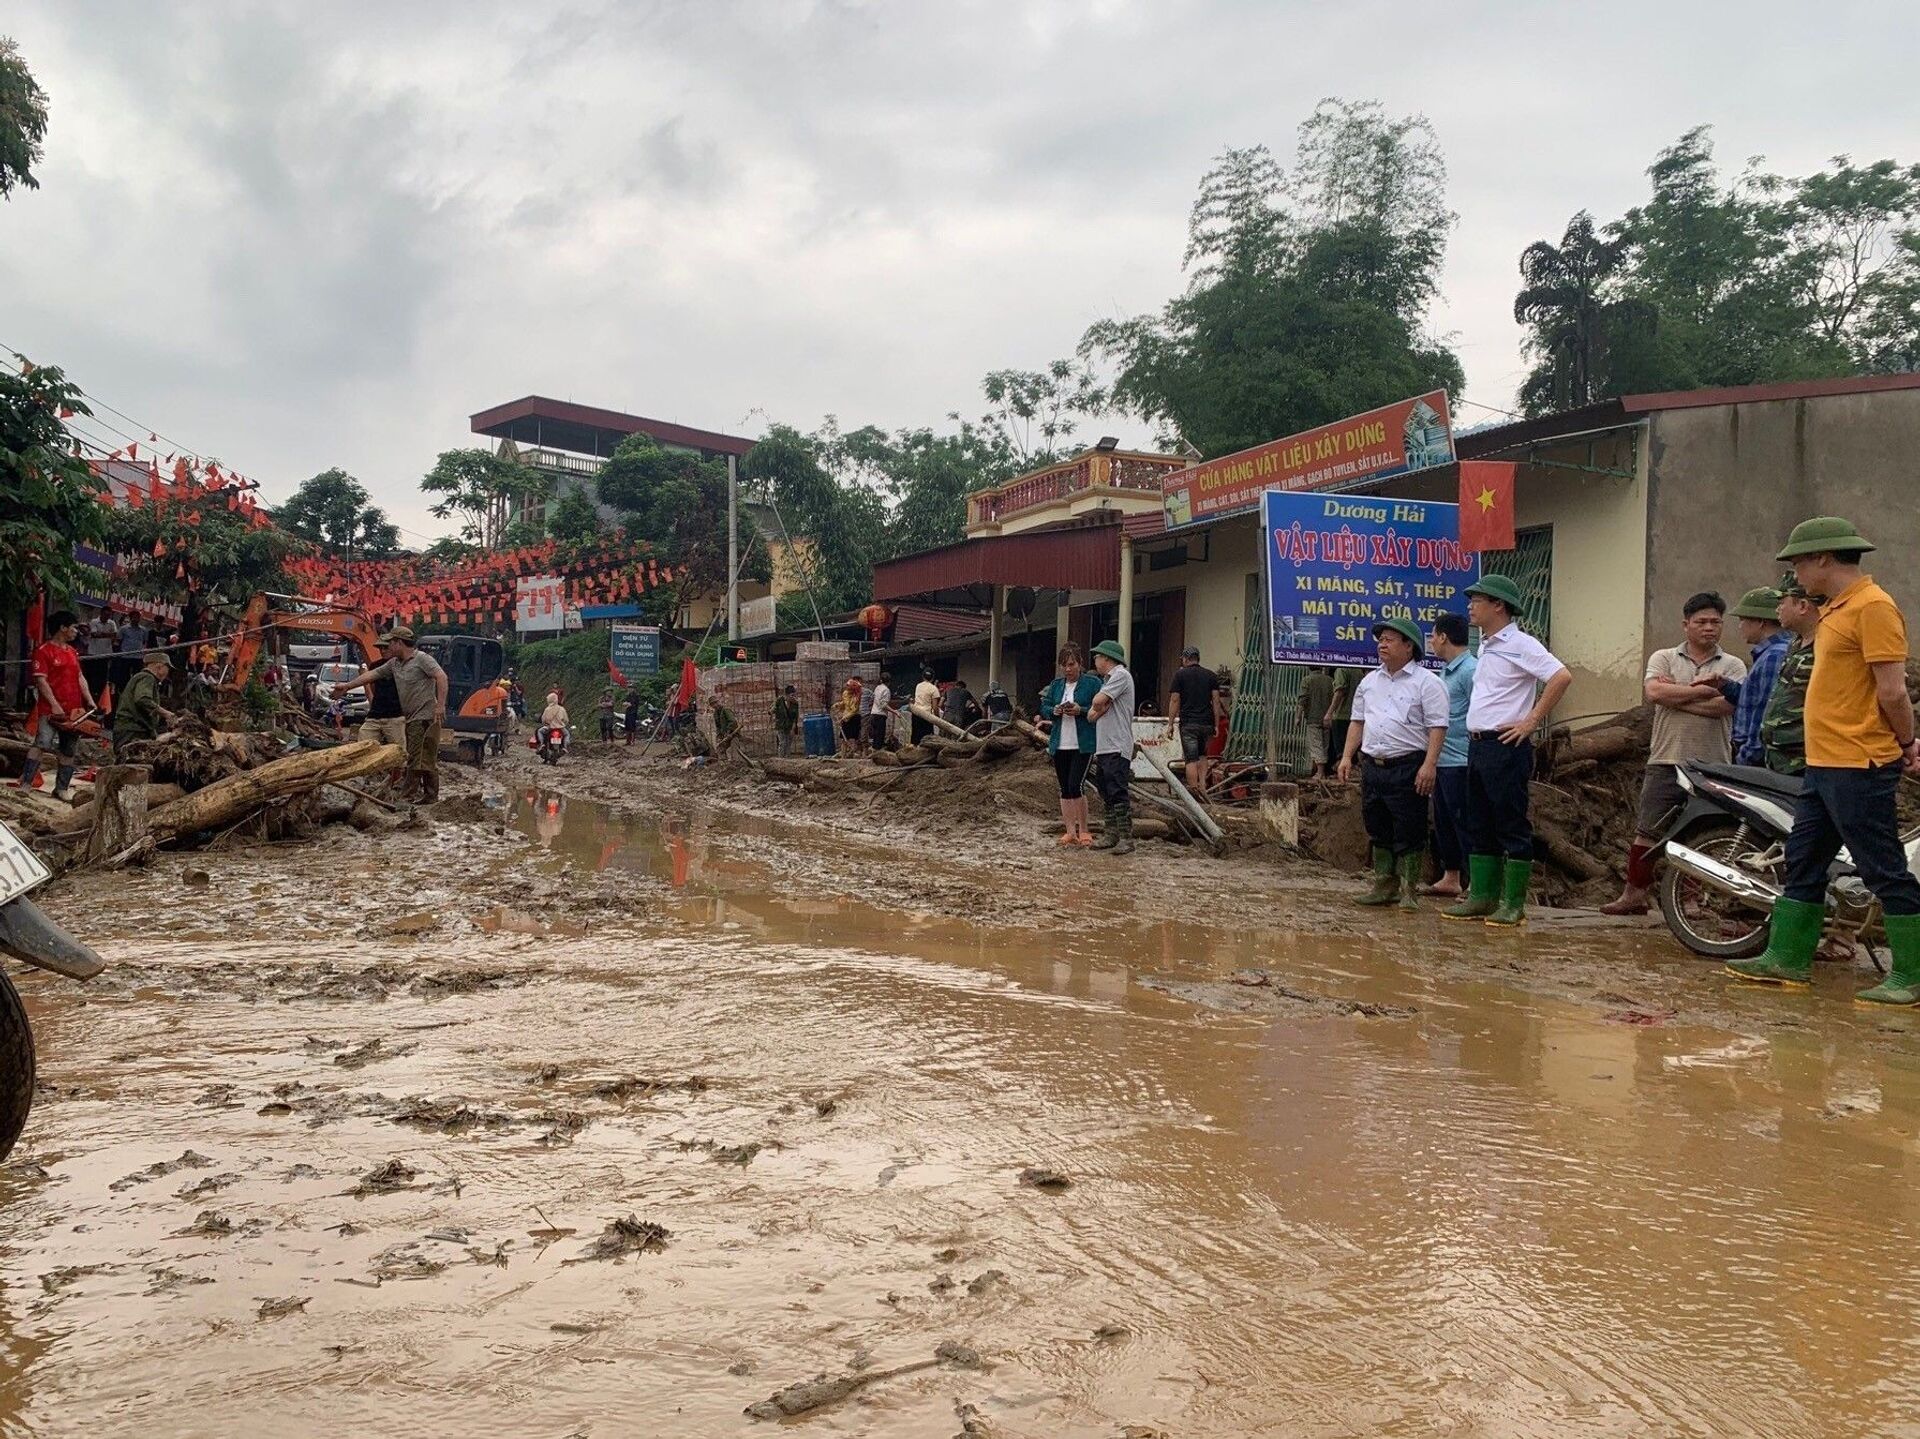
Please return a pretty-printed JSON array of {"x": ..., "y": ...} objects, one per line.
[{"x": 1783, "y": 729}]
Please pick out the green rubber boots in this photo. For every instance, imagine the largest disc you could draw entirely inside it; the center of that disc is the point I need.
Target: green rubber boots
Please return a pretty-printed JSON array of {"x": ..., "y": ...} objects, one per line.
[
  {"x": 1902, "y": 985},
  {"x": 1792, "y": 937},
  {"x": 1512, "y": 909},
  {"x": 1386, "y": 882},
  {"x": 1483, "y": 889}
]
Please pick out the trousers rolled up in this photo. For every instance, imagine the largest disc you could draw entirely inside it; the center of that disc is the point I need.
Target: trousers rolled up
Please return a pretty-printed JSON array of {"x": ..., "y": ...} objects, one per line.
[
  {"x": 1854, "y": 807},
  {"x": 1394, "y": 812},
  {"x": 1496, "y": 811},
  {"x": 1449, "y": 817}
]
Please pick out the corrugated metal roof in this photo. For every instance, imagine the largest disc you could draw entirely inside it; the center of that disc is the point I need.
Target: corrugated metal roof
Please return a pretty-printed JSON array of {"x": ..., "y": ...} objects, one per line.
[
  {"x": 923, "y": 622},
  {"x": 1083, "y": 558},
  {"x": 495, "y": 420}
]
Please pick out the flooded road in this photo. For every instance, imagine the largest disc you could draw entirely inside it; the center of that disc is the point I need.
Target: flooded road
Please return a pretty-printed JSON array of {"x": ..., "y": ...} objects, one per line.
[{"x": 299, "y": 1171}]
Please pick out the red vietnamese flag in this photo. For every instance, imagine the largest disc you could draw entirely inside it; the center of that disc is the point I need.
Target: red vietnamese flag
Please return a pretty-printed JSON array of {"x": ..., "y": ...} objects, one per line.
[
  {"x": 1486, "y": 504},
  {"x": 614, "y": 670}
]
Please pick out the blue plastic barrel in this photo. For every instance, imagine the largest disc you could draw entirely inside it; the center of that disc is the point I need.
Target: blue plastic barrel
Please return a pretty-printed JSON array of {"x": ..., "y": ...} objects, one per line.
[{"x": 817, "y": 732}]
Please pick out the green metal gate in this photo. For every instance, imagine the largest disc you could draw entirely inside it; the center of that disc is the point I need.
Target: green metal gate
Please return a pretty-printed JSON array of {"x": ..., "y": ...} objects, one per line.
[{"x": 1529, "y": 564}]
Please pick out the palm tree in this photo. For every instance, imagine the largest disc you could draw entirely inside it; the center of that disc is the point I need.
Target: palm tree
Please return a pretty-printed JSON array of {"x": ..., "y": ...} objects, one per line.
[{"x": 1565, "y": 298}]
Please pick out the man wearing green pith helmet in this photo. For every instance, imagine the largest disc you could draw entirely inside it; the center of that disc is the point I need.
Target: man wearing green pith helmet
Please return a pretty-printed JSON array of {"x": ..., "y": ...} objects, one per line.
[
  {"x": 1859, "y": 741},
  {"x": 1515, "y": 687}
]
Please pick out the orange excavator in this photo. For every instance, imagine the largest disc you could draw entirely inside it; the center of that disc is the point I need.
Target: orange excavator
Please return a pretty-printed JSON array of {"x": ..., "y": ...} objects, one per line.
[{"x": 476, "y": 702}]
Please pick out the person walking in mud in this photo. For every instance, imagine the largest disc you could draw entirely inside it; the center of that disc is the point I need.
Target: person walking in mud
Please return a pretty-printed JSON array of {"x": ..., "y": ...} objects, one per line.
[
  {"x": 1194, "y": 708},
  {"x": 1399, "y": 726},
  {"x": 1783, "y": 729},
  {"x": 61, "y": 699},
  {"x": 422, "y": 687},
  {"x": 1070, "y": 741},
  {"x": 1112, "y": 716},
  {"x": 786, "y": 719},
  {"x": 1692, "y": 723},
  {"x": 1316, "y": 715},
  {"x": 1516, "y": 686},
  {"x": 1860, "y": 741},
  {"x": 846, "y": 711},
  {"x": 1450, "y": 826}
]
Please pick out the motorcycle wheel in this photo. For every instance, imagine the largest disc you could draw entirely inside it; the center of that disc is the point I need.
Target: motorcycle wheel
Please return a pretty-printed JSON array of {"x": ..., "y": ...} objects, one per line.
[
  {"x": 16, "y": 1066},
  {"x": 1707, "y": 922}
]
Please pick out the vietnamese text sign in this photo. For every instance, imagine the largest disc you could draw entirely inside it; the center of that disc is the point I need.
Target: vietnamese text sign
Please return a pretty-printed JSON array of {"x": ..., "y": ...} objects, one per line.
[
  {"x": 636, "y": 650},
  {"x": 1408, "y": 435},
  {"x": 1336, "y": 565},
  {"x": 758, "y": 617},
  {"x": 540, "y": 602}
]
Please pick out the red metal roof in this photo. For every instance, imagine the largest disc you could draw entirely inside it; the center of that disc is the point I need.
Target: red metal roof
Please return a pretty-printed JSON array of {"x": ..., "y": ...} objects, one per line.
[
  {"x": 1083, "y": 557},
  {"x": 922, "y": 622},
  {"x": 539, "y": 407}
]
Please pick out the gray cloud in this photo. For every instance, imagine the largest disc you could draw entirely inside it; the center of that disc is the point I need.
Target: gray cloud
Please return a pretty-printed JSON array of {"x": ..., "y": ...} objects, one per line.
[{"x": 300, "y": 235}]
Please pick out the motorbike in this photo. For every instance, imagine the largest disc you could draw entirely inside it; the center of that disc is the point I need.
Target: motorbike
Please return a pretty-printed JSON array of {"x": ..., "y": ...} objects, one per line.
[
  {"x": 28, "y": 935},
  {"x": 1726, "y": 863},
  {"x": 549, "y": 742}
]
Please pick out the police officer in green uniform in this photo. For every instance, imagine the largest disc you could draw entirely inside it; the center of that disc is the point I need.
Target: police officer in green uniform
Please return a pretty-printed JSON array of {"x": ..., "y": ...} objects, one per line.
[{"x": 1783, "y": 729}]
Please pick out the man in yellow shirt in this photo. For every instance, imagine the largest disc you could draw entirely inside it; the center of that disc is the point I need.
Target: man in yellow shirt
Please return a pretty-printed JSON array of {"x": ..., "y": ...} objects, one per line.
[{"x": 1860, "y": 739}]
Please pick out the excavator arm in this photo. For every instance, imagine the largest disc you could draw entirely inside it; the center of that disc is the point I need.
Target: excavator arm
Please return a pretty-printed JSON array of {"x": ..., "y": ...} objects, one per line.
[{"x": 326, "y": 620}]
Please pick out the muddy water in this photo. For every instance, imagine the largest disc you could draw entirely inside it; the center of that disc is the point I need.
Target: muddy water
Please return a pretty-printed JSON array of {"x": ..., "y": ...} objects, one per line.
[{"x": 1477, "y": 1210}]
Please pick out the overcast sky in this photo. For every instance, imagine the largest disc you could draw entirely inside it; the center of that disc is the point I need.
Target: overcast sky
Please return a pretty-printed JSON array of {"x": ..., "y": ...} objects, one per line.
[{"x": 297, "y": 235}]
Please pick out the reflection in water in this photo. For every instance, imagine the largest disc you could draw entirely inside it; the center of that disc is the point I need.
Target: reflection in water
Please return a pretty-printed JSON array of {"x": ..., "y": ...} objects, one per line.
[{"x": 1503, "y": 1216}]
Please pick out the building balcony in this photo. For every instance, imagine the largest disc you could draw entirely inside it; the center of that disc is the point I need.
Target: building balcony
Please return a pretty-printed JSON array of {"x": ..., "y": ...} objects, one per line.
[{"x": 1118, "y": 479}]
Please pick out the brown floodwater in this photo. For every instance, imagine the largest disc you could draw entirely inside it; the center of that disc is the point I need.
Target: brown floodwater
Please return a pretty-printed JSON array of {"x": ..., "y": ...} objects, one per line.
[{"x": 1481, "y": 1211}]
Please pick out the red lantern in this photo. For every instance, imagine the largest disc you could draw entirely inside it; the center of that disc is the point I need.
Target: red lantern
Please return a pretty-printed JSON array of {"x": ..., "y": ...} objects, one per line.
[{"x": 876, "y": 618}]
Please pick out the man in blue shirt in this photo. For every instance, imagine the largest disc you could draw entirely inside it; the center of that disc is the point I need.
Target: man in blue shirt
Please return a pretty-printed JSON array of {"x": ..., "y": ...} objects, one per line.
[
  {"x": 1767, "y": 643},
  {"x": 1450, "y": 789}
]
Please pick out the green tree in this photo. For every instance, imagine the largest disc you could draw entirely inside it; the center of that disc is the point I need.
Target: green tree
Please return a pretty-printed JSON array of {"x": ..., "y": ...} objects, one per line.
[
  {"x": 23, "y": 121},
  {"x": 47, "y": 494},
  {"x": 1307, "y": 293},
  {"x": 1035, "y": 412},
  {"x": 836, "y": 530},
  {"x": 480, "y": 487},
  {"x": 1858, "y": 231},
  {"x": 331, "y": 509},
  {"x": 1571, "y": 303},
  {"x": 574, "y": 519},
  {"x": 677, "y": 503},
  {"x": 198, "y": 547}
]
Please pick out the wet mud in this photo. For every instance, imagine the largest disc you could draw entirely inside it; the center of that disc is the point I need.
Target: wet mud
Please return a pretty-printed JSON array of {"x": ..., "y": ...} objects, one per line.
[{"x": 645, "y": 1114}]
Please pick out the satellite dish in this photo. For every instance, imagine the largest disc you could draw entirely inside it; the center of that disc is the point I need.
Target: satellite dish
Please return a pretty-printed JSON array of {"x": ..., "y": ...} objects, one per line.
[{"x": 1020, "y": 601}]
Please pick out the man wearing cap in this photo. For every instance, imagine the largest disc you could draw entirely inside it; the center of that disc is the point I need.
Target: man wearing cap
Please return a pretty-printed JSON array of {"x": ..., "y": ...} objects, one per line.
[
  {"x": 1690, "y": 724},
  {"x": 1783, "y": 728},
  {"x": 1767, "y": 643},
  {"x": 1399, "y": 724},
  {"x": 1194, "y": 707},
  {"x": 1515, "y": 687},
  {"x": 1860, "y": 739},
  {"x": 423, "y": 701},
  {"x": 1112, "y": 716},
  {"x": 139, "y": 714}
]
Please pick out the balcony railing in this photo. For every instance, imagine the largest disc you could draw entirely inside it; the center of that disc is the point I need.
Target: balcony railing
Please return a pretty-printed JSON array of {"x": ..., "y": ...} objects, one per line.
[
  {"x": 1062, "y": 481},
  {"x": 561, "y": 461}
]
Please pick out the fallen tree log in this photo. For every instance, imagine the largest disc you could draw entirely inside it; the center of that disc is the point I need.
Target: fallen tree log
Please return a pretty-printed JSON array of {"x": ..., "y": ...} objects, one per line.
[
  {"x": 232, "y": 799},
  {"x": 1561, "y": 852},
  {"x": 793, "y": 771},
  {"x": 1603, "y": 742},
  {"x": 120, "y": 798}
]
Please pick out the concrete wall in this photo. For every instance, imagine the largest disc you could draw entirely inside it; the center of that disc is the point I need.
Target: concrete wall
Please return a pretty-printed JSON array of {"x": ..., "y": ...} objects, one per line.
[{"x": 1730, "y": 481}]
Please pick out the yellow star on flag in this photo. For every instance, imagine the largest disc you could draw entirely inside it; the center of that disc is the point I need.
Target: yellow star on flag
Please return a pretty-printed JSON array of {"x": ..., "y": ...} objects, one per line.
[{"x": 1485, "y": 498}]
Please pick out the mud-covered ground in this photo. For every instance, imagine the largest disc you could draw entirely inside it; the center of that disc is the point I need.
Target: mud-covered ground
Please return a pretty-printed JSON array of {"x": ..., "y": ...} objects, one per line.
[{"x": 621, "y": 1099}]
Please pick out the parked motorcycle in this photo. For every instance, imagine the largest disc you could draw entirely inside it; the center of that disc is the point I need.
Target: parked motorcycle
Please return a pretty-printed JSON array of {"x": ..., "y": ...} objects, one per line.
[
  {"x": 28, "y": 935},
  {"x": 1726, "y": 863},
  {"x": 550, "y": 742}
]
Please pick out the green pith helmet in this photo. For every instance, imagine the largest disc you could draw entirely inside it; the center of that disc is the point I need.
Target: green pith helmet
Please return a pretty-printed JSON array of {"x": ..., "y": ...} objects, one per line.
[
  {"x": 1824, "y": 535},
  {"x": 1790, "y": 587},
  {"x": 1111, "y": 649},
  {"x": 1760, "y": 604},
  {"x": 1499, "y": 587},
  {"x": 1405, "y": 628}
]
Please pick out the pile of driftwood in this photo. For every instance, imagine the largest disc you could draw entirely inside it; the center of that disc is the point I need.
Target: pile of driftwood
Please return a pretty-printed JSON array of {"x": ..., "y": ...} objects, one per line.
[{"x": 126, "y": 812}]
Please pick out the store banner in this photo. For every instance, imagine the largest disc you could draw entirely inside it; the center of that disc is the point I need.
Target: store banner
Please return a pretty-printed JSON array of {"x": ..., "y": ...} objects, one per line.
[
  {"x": 1408, "y": 435},
  {"x": 636, "y": 650},
  {"x": 1336, "y": 565}
]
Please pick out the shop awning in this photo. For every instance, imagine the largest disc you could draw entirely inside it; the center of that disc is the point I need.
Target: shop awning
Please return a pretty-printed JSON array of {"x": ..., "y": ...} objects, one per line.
[{"x": 1073, "y": 557}]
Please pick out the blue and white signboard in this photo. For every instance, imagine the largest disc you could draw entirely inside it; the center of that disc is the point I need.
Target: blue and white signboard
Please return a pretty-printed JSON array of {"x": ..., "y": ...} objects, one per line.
[
  {"x": 1336, "y": 565},
  {"x": 636, "y": 650}
]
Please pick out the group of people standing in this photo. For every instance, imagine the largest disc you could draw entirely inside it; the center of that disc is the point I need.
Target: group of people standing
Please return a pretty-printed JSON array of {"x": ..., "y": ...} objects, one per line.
[{"x": 1459, "y": 743}]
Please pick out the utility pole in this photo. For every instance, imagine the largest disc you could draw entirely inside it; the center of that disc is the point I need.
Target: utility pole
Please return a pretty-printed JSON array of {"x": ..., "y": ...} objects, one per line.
[{"x": 733, "y": 549}]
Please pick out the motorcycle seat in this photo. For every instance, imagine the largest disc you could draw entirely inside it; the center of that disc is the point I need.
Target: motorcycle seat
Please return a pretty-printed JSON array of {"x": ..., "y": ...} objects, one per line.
[{"x": 1752, "y": 777}]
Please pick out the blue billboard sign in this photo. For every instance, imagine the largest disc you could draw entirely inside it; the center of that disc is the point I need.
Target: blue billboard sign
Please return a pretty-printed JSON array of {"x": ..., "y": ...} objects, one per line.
[
  {"x": 636, "y": 650},
  {"x": 1336, "y": 565}
]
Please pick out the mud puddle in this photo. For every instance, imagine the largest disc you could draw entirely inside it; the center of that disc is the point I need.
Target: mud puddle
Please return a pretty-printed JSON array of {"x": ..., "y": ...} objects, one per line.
[{"x": 743, "y": 1146}]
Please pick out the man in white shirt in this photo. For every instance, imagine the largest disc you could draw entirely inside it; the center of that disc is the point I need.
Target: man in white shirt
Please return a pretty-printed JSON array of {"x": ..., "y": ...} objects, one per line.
[
  {"x": 1515, "y": 687},
  {"x": 1399, "y": 724},
  {"x": 882, "y": 715},
  {"x": 1112, "y": 716},
  {"x": 926, "y": 696}
]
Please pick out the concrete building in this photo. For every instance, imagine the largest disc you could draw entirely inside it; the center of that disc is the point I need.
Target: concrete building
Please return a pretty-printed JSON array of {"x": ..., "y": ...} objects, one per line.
[{"x": 1623, "y": 509}]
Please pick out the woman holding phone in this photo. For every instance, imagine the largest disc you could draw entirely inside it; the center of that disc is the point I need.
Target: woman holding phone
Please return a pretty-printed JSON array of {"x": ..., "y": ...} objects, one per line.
[{"x": 1071, "y": 740}]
